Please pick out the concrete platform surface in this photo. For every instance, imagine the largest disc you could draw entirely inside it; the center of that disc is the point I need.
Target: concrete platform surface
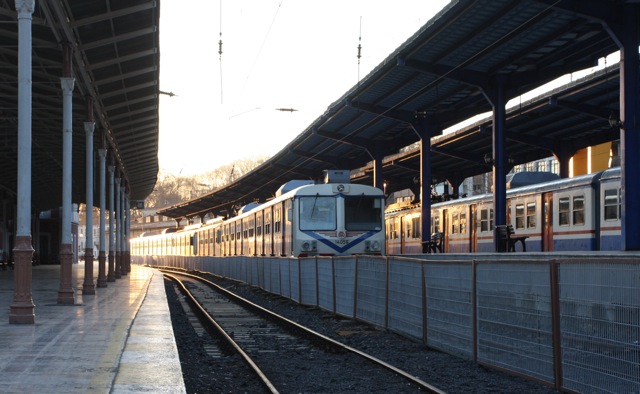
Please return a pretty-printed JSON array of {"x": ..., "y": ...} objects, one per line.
[{"x": 119, "y": 340}]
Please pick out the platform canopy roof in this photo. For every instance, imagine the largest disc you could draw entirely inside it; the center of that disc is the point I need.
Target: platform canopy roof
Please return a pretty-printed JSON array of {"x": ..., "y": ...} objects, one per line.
[
  {"x": 444, "y": 74},
  {"x": 115, "y": 61}
]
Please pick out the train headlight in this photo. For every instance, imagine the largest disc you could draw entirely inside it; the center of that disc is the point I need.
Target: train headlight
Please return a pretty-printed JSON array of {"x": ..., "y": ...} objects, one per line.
[
  {"x": 371, "y": 246},
  {"x": 309, "y": 246}
]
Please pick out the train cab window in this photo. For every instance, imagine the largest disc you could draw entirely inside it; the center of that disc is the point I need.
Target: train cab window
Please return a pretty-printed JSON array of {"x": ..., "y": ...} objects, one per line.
[
  {"x": 317, "y": 213},
  {"x": 519, "y": 216},
  {"x": 612, "y": 207},
  {"x": 563, "y": 211},
  {"x": 363, "y": 213},
  {"x": 578, "y": 210},
  {"x": 531, "y": 215}
]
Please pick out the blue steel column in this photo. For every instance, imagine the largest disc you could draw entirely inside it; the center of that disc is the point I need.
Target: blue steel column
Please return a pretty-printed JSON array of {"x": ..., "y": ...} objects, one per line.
[
  {"x": 111, "y": 274},
  {"x": 65, "y": 292},
  {"x": 118, "y": 229},
  {"x": 424, "y": 129},
  {"x": 88, "y": 287},
  {"x": 498, "y": 103},
  {"x": 630, "y": 133},
  {"x": 22, "y": 309},
  {"x": 102, "y": 277}
]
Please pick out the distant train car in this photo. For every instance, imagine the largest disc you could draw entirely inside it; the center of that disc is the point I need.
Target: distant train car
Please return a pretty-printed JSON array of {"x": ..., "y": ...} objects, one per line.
[
  {"x": 304, "y": 219},
  {"x": 581, "y": 213}
]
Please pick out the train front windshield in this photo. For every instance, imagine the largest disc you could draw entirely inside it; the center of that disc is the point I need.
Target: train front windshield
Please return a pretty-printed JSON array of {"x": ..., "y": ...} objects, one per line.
[
  {"x": 363, "y": 213},
  {"x": 318, "y": 213}
]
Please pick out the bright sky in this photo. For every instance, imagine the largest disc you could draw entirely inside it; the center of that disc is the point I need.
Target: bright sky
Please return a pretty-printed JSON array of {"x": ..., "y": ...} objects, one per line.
[{"x": 299, "y": 54}]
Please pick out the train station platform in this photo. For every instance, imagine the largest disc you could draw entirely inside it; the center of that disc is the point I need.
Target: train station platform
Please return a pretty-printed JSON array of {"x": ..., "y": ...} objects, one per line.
[{"x": 119, "y": 340}]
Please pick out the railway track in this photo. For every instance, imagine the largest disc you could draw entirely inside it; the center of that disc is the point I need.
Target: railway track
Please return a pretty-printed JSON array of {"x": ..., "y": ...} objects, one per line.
[{"x": 284, "y": 355}]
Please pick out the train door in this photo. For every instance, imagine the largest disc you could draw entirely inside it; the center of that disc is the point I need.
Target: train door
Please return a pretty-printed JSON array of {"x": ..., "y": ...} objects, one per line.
[
  {"x": 446, "y": 230},
  {"x": 259, "y": 235},
  {"x": 547, "y": 222},
  {"x": 277, "y": 230},
  {"x": 268, "y": 232},
  {"x": 287, "y": 232},
  {"x": 473, "y": 229},
  {"x": 403, "y": 234},
  {"x": 193, "y": 239}
]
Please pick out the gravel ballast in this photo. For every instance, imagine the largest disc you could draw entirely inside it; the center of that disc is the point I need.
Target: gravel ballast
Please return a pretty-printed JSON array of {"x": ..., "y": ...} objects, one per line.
[{"x": 205, "y": 374}]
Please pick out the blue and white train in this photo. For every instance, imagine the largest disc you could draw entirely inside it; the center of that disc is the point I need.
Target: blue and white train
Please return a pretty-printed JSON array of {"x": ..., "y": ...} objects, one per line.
[
  {"x": 334, "y": 218},
  {"x": 576, "y": 214}
]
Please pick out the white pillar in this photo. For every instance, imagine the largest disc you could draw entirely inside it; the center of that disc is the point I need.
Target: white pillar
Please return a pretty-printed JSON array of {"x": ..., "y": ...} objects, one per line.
[
  {"x": 118, "y": 228},
  {"x": 22, "y": 310},
  {"x": 65, "y": 293},
  {"x": 111, "y": 276},
  {"x": 88, "y": 287},
  {"x": 102, "y": 277}
]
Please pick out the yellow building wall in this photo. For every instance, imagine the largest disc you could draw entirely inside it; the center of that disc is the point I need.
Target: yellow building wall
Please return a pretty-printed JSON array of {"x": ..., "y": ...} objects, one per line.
[{"x": 592, "y": 159}]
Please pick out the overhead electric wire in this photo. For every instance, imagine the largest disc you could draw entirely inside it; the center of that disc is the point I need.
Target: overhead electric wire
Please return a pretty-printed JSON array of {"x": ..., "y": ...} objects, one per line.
[
  {"x": 359, "y": 49},
  {"x": 255, "y": 61},
  {"x": 220, "y": 54}
]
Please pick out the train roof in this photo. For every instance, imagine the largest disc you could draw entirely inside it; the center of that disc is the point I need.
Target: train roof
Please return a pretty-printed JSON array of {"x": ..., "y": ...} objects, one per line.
[
  {"x": 557, "y": 184},
  {"x": 526, "y": 178},
  {"x": 611, "y": 173},
  {"x": 293, "y": 184}
]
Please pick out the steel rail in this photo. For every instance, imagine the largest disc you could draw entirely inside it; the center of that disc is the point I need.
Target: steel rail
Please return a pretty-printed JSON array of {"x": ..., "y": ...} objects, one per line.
[
  {"x": 208, "y": 320},
  {"x": 307, "y": 331}
]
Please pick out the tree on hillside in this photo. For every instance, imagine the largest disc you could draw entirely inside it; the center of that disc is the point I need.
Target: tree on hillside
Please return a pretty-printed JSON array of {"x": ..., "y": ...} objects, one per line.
[{"x": 172, "y": 189}]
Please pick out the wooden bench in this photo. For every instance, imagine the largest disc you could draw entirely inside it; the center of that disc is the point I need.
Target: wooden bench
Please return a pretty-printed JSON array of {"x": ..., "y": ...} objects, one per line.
[{"x": 507, "y": 239}]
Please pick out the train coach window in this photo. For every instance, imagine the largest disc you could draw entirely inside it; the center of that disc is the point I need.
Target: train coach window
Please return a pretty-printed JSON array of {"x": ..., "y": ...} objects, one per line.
[
  {"x": 363, "y": 213},
  {"x": 454, "y": 224},
  {"x": 612, "y": 205},
  {"x": 578, "y": 210},
  {"x": 463, "y": 222},
  {"x": 276, "y": 220},
  {"x": 531, "y": 215},
  {"x": 391, "y": 230},
  {"x": 563, "y": 211},
  {"x": 435, "y": 224},
  {"x": 486, "y": 220},
  {"x": 317, "y": 213},
  {"x": 415, "y": 221},
  {"x": 519, "y": 216}
]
